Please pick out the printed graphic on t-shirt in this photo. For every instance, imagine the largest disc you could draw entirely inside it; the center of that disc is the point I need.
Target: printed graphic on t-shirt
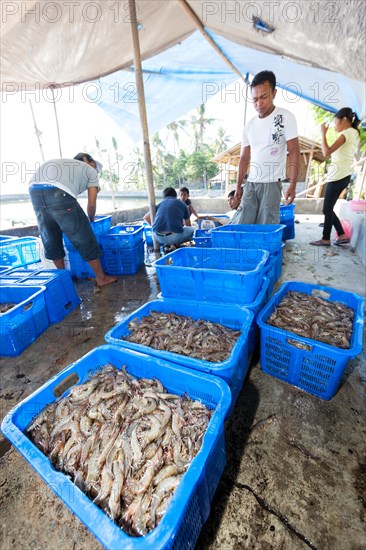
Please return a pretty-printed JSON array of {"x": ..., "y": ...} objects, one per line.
[{"x": 278, "y": 129}]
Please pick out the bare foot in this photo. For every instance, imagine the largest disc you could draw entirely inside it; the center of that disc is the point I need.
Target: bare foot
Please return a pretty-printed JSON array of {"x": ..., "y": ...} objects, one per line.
[{"x": 106, "y": 280}]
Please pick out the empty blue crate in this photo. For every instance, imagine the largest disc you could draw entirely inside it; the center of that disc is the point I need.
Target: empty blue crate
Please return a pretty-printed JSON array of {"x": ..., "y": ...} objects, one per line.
[
  {"x": 203, "y": 237},
  {"x": 233, "y": 369},
  {"x": 122, "y": 236},
  {"x": 266, "y": 237},
  {"x": 189, "y": 508},
  {"x": 25, "y": 321},
  {"x": 18, "y": 252},
  {"x": 212, "y": 274},
  {"x": 308, "y": 364},
  {"x": 287, "y": 217},
  {"x": 122, "y": 261}
]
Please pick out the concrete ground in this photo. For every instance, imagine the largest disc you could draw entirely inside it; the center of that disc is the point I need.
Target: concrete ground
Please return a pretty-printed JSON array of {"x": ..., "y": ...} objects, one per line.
[{"x": 295, "y": 474}]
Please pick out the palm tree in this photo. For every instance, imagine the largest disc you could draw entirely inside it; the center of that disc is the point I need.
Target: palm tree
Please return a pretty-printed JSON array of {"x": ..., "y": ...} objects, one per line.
[
  {"x": 199, "y": 124},
  {"x": 173, "y": 128},
  {"x": 222, "y": 140}
]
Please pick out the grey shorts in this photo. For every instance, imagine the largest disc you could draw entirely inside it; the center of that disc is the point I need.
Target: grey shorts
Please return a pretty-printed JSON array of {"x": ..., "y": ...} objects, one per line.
[{"x": 260, "y": 203}]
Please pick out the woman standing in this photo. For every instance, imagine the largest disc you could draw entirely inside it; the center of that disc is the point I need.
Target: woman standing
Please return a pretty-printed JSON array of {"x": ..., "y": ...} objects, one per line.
[{"x": 339, "y": 173}]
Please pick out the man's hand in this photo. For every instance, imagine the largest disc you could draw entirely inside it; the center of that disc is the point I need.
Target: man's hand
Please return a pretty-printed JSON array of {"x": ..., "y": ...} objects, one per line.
[{"x": 290, "y": 193}]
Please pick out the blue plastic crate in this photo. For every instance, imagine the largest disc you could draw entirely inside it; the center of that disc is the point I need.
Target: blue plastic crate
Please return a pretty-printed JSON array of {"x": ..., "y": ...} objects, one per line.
[
  {"x": 205, "y": 223},
  {"x": 287, "y": 217},
  {"x": 319, "y": 367},
  {"x": 22, "y": 324},
  {"x": 266, "y": 237},
  {"x": 4, "y": 238},
  {"x": 4, "y": 269},
  {"x": 190, "y": 506},
  {"x": 287, "y": 212},
  {"x": 122, "y": 236},
  {"x": 212, "y": 274},
  {"x": 203, "y": 237},
  {"x": 122, "y": 261},
  {"x": 60, "y": 295},
  {"x": 233, "y": 369},
  {"x": 74, "y": 263},
  {"x": 273, "y": 268},
  {"x": 18, "y": 252},
  {"x": 148, "y": 235},
  {"x": 289, "y": 231},
  {"x": 100, "y": 225}
]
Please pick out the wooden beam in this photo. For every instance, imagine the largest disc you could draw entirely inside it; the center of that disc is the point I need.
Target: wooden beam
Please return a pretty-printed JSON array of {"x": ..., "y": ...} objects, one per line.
[{"x": 198, "y": 23}]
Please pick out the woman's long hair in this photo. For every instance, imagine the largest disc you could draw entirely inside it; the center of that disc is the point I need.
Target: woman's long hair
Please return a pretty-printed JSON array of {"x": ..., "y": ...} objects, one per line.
[{"x": 350, "y": 116}]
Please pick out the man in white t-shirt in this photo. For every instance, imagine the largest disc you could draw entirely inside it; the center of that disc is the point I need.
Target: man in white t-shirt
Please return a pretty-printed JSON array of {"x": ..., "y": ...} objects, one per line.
[{"x": 266, "y": 140}]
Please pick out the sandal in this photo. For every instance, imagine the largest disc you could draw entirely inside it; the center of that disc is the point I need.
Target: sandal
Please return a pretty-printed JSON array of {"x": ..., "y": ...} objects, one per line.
[
  {"x": 339, "y": 242},
  {"x": 319, "y": 243}
]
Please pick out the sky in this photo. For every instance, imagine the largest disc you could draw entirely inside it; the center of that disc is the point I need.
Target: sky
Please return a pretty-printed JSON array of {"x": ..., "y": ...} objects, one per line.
[{"x": 81, "y": 121}]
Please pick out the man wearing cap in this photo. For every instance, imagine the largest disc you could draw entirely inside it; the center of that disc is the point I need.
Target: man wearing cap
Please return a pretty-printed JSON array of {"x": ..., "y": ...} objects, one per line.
[{"x": 53, "y": 191}]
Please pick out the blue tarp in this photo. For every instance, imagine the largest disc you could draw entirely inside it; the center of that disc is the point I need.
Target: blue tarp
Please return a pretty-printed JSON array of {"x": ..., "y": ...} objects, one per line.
[{"x": 187, "y": 74}]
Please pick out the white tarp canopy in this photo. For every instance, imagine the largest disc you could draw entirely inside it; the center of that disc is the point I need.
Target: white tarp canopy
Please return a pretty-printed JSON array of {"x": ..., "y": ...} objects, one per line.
[{"x": 65, "y": 41}]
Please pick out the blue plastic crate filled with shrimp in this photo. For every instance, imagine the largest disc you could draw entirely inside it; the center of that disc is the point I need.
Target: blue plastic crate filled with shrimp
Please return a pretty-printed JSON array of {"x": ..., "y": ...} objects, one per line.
[
  {"x": 23, "y": 317},
  {"x": 308, "y": 335},
  {"x": 185, "y": 327},
  {"x": 144, "y": 381},
  {"x": 18, "y": 252},
  {"x": 212, "y": 274}
]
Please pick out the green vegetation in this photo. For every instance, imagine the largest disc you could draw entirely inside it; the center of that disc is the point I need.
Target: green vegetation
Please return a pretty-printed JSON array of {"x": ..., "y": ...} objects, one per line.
[{"x": 191, "y": 165}]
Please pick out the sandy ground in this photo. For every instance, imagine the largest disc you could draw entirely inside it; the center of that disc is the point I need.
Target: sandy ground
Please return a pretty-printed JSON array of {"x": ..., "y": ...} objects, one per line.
[{"x": 295, "y": 473}]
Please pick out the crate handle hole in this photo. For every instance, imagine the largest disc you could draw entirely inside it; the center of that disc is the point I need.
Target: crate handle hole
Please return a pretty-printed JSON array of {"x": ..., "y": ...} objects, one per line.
[
  {"x": 66, "y": 384},
  {"x": 299, "y": 345},
  {"x": 28, "y": 306},
  {"x": 317, "y": 293},
  {"x": 68, "y": 305}
]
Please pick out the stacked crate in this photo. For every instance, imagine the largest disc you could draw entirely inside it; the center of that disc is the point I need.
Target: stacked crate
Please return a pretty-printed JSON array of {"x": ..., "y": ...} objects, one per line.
[
  {"x": 78, "y": 267},
  {"x": 123, "y": 249}
]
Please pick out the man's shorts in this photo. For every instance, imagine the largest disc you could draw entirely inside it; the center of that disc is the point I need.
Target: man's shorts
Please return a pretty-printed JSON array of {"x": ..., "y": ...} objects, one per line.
[{"x": 57, "y": 213}]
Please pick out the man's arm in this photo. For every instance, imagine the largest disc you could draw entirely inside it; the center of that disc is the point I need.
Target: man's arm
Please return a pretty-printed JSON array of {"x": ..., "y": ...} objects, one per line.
[
  {"x": 147, "y": 218},
  {"x": 242, "y": 170},
  {"x": 92, "y": 202},
  {"x": 294, "y": 158},
  {"x": 187, "y": 222}
]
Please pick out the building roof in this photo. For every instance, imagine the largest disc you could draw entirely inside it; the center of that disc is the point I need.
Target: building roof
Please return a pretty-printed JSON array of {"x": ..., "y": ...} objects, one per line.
[{"x": 232, "y": 155}]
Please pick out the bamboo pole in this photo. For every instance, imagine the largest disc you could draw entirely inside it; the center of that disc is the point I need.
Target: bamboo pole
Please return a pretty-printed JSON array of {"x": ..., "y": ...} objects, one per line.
[
  {"x": 198, "y": 23},
  {"x": 142, "y": 111},
  {"x": 57, "y": 126}
]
